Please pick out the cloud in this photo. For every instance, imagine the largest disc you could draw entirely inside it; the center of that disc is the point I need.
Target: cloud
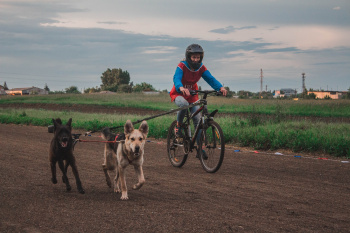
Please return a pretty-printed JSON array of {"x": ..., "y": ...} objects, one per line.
[
  {"x": 111, "y": 22},
  {"x": 159, "y": 50},
  {"x": 277, "y": 50},
  {"x": 230, "y": 29},
  {"x": 65, "y": 43}
]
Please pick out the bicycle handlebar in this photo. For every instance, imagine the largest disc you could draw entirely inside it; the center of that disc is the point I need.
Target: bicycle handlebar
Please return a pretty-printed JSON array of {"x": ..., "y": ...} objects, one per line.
[{"x": 195, "y": 92}]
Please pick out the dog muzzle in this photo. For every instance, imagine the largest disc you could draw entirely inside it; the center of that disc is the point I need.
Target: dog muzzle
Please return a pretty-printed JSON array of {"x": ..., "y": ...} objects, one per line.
[
  {"x": 64, "y": 142},
  {"x": 137, "y": 151}
]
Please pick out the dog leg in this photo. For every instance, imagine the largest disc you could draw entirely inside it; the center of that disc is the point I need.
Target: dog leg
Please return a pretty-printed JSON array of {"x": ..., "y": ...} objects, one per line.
[
  {"x": 66, "y": 164},
  {"x": 108, "y": 178},
  {"x": 64, "y": 176},
  {"x": 117, "y": 182},
  {"x": 123, "y": 183},
  {"x": 53, "y": 171},
  {"x": 76, "y": 175},
  {"x": 139, "y": 172}
]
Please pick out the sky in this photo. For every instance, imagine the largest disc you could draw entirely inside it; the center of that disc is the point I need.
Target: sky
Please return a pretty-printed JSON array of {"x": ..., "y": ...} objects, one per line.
[{"x": 61, "y": 43}]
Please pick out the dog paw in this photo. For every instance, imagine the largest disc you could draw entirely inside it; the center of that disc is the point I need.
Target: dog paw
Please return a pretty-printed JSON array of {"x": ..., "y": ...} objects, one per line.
[
  {"x": 124, "y": 197},
  {"x": 137, "y": 186},
  {"x": 68, "y": 188},
  {"x": 54, "y": 180},
  {"x": 81, "y": 190}
]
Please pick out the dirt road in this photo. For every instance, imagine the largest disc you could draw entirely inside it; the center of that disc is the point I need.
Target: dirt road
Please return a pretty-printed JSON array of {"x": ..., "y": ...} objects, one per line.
[{"x": 250, "y": 193}]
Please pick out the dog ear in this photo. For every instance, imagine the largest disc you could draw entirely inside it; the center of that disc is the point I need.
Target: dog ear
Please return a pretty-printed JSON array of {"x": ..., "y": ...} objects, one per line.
[
  {"x": 57, "y": 121},
  {"x": 144, "y": 128},
  {"x": 56, "y": 124},
  {"x": 69, "y": 123},
  {"x": 128, "y": 127},
  {"x": 105, "y": 132}
]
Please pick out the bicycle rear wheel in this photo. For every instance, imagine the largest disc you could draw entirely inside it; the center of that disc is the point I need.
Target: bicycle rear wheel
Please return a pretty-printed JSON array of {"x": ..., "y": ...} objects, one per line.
[
  {"x": 211, "y": 147},
  {"x": 175, "y": 147}
]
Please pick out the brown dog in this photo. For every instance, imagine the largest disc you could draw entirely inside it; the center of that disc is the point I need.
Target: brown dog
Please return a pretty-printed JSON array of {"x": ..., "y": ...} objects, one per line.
[
  {"x": 119, "y": 155},
  {"x": 61, "y": 149}
]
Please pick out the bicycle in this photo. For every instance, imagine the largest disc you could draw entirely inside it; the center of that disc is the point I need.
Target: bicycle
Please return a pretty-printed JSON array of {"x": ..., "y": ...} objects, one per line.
[{"x": 211, "y": 145}]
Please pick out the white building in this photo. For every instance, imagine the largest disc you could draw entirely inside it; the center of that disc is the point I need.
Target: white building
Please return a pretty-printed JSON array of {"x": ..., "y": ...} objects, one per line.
[
  {"x": 335, "y": 95},
  {"x": 285, "y": 92}
]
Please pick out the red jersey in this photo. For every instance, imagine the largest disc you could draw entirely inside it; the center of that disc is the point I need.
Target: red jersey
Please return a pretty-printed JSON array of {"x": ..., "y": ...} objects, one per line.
[{"x": 189, "y": 80}]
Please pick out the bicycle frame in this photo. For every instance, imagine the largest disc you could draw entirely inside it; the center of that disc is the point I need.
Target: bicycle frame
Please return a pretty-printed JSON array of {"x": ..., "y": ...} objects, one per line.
[
  {"x": 204, "y": 118},
  {"x": 210, "y": 144}
]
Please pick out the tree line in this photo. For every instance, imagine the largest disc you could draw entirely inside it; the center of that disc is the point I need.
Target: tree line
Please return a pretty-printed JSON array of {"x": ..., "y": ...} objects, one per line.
[
  {"x": 114, "y": 80},
  {"x": 117, "y": 80}
]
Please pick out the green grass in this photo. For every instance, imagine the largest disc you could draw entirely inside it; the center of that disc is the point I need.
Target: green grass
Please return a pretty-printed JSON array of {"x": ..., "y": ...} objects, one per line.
[
  {"x": 273, "y": 134},
  {"x": 319, "y": 108},
  {"x": 299, "y": 136}
]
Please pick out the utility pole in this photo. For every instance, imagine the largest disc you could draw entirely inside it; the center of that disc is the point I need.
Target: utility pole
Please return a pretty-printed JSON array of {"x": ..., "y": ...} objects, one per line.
[
  {"x": 304, "y": 87},
  {"x": 261, "y": 81}
]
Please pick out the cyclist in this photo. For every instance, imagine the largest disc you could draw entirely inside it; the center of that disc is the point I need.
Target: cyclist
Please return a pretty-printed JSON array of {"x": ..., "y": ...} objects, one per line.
[{"x": 187, "y": 74}]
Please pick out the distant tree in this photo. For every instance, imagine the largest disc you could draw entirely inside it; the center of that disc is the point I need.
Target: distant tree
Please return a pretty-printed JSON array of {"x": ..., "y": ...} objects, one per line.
[
  {"x": 311, "y": 96},
  {"x": 244, "y": 94},
  {"x": 112, "y": 78},
  {"x": 125, "y": 88},
  {"x": 348, "y": 94},
  {"x": 46, "y": 88},
  {"x": 143, "y": 87},
  {"x": 56, "y": 92},
  {"x": 112, "y": 87},
  {"x": 72, "y": 90},
  {"x": 229, "y": 92},
  {"x": 5, "y": 86}
]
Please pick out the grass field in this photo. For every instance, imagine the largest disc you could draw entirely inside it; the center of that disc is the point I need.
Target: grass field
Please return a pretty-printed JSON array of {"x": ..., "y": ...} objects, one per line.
[
  {"x": 320, "y": 108},
  {"x": 255, "y": 130}
]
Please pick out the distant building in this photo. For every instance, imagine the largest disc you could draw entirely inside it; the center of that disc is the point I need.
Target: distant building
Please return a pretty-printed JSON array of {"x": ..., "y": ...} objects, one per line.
[
  {"x": 285, "y": 92},
  {"x": 332, "y": 94},
  {"x": 27, "y": 91}
]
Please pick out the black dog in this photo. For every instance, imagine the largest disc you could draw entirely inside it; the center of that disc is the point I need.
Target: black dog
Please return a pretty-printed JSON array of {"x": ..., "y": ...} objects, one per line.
[{"x": 61, "y": 148}]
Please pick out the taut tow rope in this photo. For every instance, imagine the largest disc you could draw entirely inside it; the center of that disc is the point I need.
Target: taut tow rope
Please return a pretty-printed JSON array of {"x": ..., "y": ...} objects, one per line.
[{"x": 151, "y": 117}]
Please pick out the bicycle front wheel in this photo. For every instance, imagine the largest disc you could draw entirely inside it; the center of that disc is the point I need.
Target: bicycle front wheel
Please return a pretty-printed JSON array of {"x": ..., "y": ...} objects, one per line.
[
  {"x": 211, "y": 147},
  {"x": 175, "y": 147}
]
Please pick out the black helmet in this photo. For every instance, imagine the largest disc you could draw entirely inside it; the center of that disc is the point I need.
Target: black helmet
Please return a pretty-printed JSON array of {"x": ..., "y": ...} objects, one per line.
[{"x": 191, "y": 49}]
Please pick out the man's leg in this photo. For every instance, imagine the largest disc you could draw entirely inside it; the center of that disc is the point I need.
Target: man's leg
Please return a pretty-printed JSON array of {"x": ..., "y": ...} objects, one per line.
[{"x": 180, "y": 102}]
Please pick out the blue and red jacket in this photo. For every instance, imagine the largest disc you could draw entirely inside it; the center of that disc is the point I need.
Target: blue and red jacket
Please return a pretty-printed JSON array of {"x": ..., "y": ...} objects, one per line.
[{"x": 187, "y": 78}]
